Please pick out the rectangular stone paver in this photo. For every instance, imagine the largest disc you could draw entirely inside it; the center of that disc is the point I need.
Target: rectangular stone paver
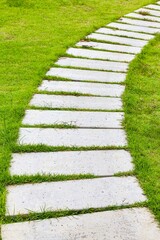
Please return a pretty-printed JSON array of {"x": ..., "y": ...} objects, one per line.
[
  {"x": 109, "y": 47},
  {"x": 125, "y": 33},
  {"x": 73, "y": 195},
  {"x": 125, "y": 224},
  {"x": 74, "y": 102},
  {"x": 95, "y": 54},
  {"x": 99, "y": 163},
  {"x": 145, "y": 17},
  {"x": 72, "y": 137},
  {"x": 133, "y": 28},
  {"x": 93, "y": 64},
  {"x": 151, "y": 12},
  {"x": 79, "y": 118},
  {"x": 86, "y": 75},
  {"x": 140, "y": 23},
  {"x": 152, "y": 6},
  {"x": 99, "y": 89},
  {"x": 115, "y": 39}
]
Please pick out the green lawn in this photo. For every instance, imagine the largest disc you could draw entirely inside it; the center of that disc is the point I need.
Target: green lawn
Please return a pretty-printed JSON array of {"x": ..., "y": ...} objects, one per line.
[
  {"x": 34, "y": 34},
  {"x": 142, "y": 120}
]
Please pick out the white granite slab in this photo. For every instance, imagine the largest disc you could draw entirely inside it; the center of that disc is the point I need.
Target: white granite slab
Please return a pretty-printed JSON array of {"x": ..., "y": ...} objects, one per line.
[
  {"x": 151, "y": 12},
  {"x": 133, "y": 28},
  {"x": 144, "y": 17},
  {"x": 93, "y": 64},
  {"x": 79, "y": 118},
  {"x": 72, "y": 137},
  {"x": 144, "y": 23},
  {"x": 125, "y": 33},
  {"x": 99, "y": 89},
  {"x": 80, "y": 102},
  {"x": 125, "y": 224},
  {"x": 72, "y": 195},
  {"x": 99, "y": 163},
  {"x": 95, "y": 54},
  {"x": 86, "y": 75},
  {"x": 115, "y": 39},
  {"x": 109, "y": 47},
  {"x": 153, "y": 6}
]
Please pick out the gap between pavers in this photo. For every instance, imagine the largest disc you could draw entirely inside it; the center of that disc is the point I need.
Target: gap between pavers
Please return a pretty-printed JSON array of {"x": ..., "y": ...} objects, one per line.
[
  {"x": 99, "y": 163},
  {"x": 73, "y": 195}
]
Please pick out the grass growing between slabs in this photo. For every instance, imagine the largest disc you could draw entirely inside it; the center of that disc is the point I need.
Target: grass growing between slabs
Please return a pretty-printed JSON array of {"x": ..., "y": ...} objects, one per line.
[
  {"x": 56, "y": 214},
  {"x": 34, "y": 34},
  {"x": 142, "y": 120}
]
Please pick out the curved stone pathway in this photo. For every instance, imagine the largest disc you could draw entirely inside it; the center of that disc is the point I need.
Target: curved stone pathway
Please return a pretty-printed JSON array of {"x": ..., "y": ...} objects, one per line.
[{"x": 95, "y": 69}]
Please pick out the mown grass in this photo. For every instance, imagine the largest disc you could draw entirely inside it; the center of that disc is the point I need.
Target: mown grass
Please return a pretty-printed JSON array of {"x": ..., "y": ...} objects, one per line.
[
  {"x": 34, "y": 34},
  {"x": 142, "y": 120}
]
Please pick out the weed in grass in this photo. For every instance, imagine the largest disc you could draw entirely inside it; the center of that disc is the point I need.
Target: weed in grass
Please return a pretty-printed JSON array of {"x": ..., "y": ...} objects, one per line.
[
  {"x": 144, "y": 13},
  {"x": 19, "y": 3}
]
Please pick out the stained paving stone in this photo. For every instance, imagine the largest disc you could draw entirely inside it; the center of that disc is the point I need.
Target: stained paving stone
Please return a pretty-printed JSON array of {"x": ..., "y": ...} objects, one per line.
[
  {"x": 72, "y": 137},
  {"x": 86, "y": 75},
  {"x": 99, "y": 163},
  {"x": 125, "y": 224},
  {"x": 113, "y": 90},
  {"x": 109, "y": 47},
  {"x": 151, "y": 12},
  {"x": 133, "y": 28},
  {"x": 125, "y": 33},
  {"x": 73, "y": 195},
  {"x": 115, "y": 39},
  {"x": 77, "y": 118},
  {"x": 144, "y": 17},
  {"x": 100, "y": 55},
  {"x": 140, "y": 23},
  {"x": 152, "y": 6},
  {"x": 74, "y": 102},
  {"x": 93, "y": 64}
]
